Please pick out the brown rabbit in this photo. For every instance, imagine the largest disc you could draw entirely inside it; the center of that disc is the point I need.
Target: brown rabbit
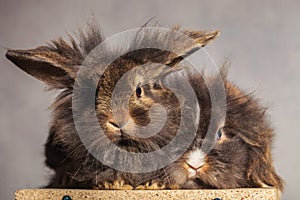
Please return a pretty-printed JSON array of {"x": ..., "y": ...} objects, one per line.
[{"x": 241, "y": 156}]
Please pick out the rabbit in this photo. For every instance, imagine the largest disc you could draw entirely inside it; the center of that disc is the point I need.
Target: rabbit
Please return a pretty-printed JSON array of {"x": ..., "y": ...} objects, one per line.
[{"x": 241, "y": 156}]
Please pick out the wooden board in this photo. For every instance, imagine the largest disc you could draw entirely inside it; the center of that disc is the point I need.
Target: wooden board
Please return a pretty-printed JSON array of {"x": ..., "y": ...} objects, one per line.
[{"x": 228, "y": 194}]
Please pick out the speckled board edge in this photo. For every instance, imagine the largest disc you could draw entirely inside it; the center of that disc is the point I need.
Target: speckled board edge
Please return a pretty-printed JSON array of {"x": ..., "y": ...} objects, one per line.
[{"x": 228, "y": 194}]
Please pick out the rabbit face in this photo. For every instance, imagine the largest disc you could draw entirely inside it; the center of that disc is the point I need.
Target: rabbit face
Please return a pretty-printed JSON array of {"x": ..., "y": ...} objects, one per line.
[
  {"x": 129, "y": 106},
  {"x": 121, "y": 124},
  {"x": 225, "y": 166}
]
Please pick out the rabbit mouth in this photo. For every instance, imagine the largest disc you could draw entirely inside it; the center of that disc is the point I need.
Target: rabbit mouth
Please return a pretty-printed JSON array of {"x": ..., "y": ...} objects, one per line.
[
  {"x": 194, "y": 162},
  {"x": 126, "y": 142},
  {"x": 192, "y": 171}
]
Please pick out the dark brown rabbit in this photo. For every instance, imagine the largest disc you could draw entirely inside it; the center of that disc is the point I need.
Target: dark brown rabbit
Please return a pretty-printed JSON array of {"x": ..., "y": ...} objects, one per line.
[{"x": 241, "y": 156}]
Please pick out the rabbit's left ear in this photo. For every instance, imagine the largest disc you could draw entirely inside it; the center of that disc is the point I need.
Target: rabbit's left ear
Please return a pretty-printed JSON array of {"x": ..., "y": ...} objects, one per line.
[{"x": 261, "y": 169}]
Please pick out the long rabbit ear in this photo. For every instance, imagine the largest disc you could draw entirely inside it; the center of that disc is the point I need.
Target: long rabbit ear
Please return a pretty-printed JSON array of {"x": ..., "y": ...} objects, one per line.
[
  {"x": 168, "y": 47},
  {"x": 261, "y": 170},
  {"x": 186, "y": 48},
  {"x": 55, "y": 65}
]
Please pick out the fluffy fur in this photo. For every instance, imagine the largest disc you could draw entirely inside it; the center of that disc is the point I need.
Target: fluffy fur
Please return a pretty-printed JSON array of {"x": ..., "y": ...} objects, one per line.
[{"x": 241, "y": 158}]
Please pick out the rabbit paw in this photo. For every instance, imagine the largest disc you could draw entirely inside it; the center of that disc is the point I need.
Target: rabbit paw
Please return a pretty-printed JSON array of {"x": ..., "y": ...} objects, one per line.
[
  {"x": 150, "y": 186},
  {"x": 116, "y": 185}
]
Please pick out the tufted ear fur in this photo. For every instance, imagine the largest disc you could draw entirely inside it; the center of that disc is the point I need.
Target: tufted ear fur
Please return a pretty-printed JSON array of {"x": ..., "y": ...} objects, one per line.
[
  {"x": 181, "y": 42},
  {"x": 256, "y": 133},
  {"x": 200, "y": 38},
  {"x": 57, "y": 63},
  {"x": 261, "y": 169},
  {"x": 56, "y": 66}
]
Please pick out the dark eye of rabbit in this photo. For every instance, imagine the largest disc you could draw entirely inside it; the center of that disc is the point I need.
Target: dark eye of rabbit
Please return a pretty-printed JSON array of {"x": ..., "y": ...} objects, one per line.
[
  {"x": 219, "y": 133},
  {"x": 138, "y": 92}
]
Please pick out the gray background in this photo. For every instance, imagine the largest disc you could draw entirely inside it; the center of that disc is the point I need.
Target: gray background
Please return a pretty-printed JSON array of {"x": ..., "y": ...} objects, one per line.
[{"x": 259, "y": 38}]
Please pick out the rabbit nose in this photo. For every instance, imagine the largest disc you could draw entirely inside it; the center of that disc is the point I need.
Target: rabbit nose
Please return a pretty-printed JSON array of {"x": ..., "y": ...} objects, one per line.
[
  {"x": 114, "y": 124},
  {"x": 118, "y": 125},
  {"x": 195, "y": 159},
  {"x": 119, "y": 119}
]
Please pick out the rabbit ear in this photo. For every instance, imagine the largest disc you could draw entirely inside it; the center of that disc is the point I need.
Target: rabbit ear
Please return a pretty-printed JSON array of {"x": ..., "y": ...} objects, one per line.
[
  {"x": 261, "y": 169},
  {"x": 56, "y": 67},
  {"x": 180, "y": 44},
  {"x": 186, "y": 48}
]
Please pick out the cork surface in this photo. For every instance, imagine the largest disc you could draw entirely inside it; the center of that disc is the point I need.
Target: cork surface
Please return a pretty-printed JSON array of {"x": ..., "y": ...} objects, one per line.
[{"x": 229, "y": 194}]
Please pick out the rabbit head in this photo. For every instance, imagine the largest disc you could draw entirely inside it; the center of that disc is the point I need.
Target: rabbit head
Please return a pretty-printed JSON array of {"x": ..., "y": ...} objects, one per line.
[{"x": 240, "y": 153}]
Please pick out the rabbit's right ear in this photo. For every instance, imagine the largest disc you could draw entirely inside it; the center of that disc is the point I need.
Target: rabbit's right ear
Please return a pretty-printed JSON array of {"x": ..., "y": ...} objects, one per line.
[
  {"x": 53, "y": 67},
  {"x": 184, "y": 48},
  {"x": 174, "y": 45}
]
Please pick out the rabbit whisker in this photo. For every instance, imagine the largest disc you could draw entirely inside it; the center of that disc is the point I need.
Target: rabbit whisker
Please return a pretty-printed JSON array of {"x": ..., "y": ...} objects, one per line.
[{"x": 74, "y": 175}]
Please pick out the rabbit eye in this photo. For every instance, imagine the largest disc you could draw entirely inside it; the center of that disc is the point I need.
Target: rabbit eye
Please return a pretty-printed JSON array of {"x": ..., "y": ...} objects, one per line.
[
  {"x": 219, "y": 133},
  {"x": 138, "y": 92}
]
